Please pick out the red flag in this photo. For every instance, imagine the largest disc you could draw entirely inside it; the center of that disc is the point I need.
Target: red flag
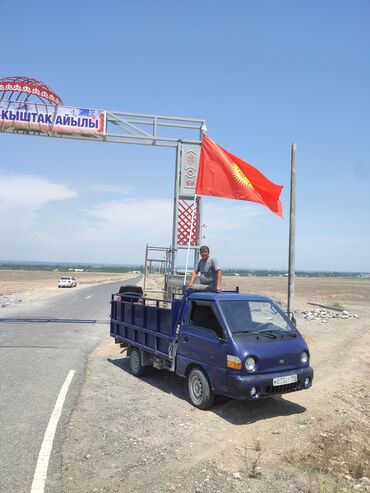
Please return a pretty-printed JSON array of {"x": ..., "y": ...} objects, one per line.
[{"x": 221, "y": 174}]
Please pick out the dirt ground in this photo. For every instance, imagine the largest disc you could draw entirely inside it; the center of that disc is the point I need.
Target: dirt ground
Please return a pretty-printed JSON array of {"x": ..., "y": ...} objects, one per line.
[
  {"x": 26, "y": 286},
  {"x": 350, "y": 293},
  {"x": 143, "y": 435}
]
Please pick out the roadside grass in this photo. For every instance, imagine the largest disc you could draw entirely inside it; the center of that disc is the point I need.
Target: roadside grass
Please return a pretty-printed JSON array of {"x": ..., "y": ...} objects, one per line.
[
  {"x": 255, "y": 470},
  {"x": 257, "y": 446},
  {"x": 338, "y": 305},
  {"x": 304, "y": 421},
  {"x": 334, "y": 459},
  {"x": 252, "y": 468}
]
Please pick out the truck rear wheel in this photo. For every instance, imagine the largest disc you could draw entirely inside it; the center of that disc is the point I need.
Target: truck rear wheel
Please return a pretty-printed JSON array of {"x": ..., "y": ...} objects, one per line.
[
  {"x": 200, "y": 391},
  {"x": 136, "y": 367}
]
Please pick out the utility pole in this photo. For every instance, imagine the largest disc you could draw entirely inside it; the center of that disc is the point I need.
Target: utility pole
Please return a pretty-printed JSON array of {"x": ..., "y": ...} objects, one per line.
[{"x": 292, "y": 227}]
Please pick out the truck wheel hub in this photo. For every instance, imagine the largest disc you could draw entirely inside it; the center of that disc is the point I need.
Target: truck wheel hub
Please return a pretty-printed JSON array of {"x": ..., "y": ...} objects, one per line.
[{"x": 197, "y": 388}]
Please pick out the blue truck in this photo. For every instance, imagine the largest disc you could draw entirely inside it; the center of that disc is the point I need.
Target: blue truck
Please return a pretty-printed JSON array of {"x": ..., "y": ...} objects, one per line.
[{"x": 231, "y": 344}]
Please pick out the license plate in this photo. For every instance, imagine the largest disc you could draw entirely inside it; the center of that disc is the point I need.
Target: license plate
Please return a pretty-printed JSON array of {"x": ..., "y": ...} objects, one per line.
[{"x": 284, "y": 380}]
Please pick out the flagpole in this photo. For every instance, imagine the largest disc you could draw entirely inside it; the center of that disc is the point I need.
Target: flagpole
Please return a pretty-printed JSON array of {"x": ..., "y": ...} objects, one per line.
[
  {"x": 292, "y": 224},
  {"x": 191, "y": 232}
]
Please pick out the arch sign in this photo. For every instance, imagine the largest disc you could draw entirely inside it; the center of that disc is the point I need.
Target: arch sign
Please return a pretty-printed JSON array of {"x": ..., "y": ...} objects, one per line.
[{"x": 55, "y": 119}]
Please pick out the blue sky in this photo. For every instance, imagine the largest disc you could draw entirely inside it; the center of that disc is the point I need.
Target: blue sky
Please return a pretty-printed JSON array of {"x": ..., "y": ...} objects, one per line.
[{"x": 263, "y": 74}]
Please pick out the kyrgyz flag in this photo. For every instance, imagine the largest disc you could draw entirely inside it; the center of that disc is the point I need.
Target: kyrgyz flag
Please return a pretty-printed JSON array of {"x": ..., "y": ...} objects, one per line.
[{"x": 221, "y": 174}]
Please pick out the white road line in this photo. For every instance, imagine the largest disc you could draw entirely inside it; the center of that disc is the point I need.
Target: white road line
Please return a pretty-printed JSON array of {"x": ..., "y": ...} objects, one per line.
[
  {"x": 39, "y": 478},
  {"x": 88, "y": 297}
]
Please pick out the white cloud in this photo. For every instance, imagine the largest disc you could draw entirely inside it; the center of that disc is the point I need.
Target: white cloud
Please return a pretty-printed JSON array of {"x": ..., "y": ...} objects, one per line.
[
  {"x": 129, "y": 219},
  {"x": 244, "y": 234},
  {"x": 110, "y": 188},
  {"x": 142, "y": 214},
  {"x": 22, "y": 197},
  {"x": 115, "y": 231},
  {"x": 30, "y": 193},
  {"x": 119, "y": 231},
  {"x": 222, "y": 217},
  {"x": 39, "y": 236}
]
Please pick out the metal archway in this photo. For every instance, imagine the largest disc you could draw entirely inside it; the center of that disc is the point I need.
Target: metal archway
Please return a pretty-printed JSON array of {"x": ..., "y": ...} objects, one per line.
[{"x": 30, "y": 107}]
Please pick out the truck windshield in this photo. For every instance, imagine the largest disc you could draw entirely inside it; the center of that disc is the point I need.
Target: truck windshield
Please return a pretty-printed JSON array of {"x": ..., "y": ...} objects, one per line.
[{"x": 251, "y": 316}]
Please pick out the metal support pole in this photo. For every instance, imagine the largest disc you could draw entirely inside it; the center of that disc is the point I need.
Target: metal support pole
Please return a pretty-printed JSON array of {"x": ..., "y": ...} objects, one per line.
[
  {"x": 292, "y": 227},
  {"x": 200, "y": 225},
  {"x": 175, "y": 206},
  {"x": 146, "y": 266},
  {"x": 196, "y": 258}
]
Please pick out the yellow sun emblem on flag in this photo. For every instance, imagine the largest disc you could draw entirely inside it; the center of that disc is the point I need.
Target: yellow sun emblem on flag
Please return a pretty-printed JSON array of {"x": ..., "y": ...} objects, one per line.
[{"x": 240, "y": 176}]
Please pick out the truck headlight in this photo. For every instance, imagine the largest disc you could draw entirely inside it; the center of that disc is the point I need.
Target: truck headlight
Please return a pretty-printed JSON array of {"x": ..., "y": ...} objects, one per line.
[
  {"x": 233, "y": 362},
  {"x": 250, "y": 364},
  {"x": 304, "y": 357}
]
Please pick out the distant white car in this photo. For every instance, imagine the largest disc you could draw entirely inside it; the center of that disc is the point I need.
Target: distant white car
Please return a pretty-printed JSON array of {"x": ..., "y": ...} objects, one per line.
[{"x": 67, "y": 282}]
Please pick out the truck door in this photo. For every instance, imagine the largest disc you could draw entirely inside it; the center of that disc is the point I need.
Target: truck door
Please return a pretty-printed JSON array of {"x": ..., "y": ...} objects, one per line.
[{"x": 203, "y": 340}]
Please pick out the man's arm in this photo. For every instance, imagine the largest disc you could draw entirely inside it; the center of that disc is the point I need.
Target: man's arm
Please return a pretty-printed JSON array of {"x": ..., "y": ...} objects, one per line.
[
  {"x": 193, "y": 277},
  {"x": 219, "y": 280},
  {"x": 218, "y": 271}
]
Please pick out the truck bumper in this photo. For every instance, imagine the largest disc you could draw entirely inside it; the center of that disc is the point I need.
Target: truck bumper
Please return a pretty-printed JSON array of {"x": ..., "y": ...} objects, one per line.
[{"x": 262, "y": 385}]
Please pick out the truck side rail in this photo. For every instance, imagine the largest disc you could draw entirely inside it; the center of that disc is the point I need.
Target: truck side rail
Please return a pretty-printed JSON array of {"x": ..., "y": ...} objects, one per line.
[{"x": 146, "y": 323}]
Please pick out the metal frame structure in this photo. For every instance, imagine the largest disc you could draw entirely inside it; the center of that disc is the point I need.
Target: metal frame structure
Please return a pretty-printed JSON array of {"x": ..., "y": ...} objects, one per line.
[
  {"x": 138, "y": 128},
  {"x": 165, "y": 265},
  {"x": 22, "y": 89},
  {"x": 134, "y": 128},
  {"x": 130, "y": 128}
]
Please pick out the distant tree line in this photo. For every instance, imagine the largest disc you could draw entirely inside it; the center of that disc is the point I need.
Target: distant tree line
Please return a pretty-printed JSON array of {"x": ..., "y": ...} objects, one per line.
[
  {"x": 62, "y": 266},
  {"x": 65, "y": 267},
  {"x": 284, "y": 273}
]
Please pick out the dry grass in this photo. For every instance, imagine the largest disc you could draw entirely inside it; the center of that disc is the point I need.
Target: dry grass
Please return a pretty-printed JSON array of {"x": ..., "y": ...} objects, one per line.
[{"x": 333, "y": 460}]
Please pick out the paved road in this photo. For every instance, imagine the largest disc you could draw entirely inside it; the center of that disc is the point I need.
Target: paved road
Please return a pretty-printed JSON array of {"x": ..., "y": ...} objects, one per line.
[{"x": 38, "y": 348}]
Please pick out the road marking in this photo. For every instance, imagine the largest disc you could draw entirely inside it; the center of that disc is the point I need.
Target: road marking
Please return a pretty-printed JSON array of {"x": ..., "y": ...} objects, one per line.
[
  {"x": 88, "y": 297},
  {"x": 39, "y": 478}
]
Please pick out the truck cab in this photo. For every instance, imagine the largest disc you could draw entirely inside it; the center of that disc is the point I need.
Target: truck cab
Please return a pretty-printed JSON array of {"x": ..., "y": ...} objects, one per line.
[{"x": 244, "y": 345}]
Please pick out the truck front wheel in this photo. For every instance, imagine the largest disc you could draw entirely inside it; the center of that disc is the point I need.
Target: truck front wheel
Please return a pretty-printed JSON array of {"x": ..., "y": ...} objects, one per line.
[
  {"x": 200, "y": 391},
  {"x": 136, "y": 367}
]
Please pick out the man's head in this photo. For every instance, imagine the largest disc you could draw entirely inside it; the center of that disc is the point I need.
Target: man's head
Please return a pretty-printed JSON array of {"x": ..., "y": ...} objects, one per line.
[{"x": 204, "y": 252}]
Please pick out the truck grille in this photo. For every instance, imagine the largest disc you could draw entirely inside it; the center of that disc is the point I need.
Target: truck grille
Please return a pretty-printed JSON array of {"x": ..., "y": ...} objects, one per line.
[{"x": 282, "y": 389}]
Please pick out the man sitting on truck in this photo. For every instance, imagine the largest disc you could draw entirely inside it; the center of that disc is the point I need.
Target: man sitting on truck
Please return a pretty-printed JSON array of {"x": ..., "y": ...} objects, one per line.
[{"x": 209, "y": 270}]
